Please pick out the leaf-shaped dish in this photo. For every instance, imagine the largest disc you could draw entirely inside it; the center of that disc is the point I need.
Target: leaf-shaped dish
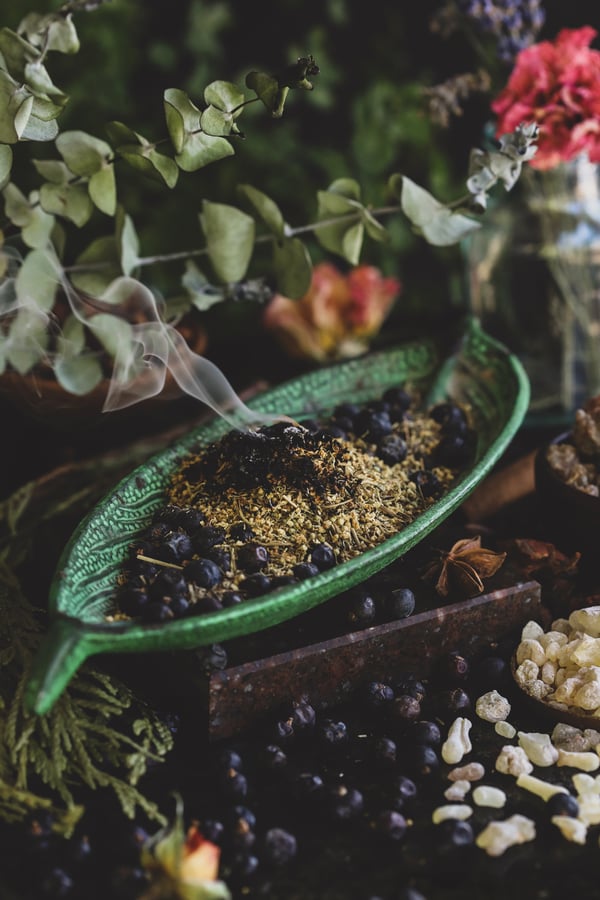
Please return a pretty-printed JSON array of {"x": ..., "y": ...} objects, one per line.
[{"x": 473, "y": 369}]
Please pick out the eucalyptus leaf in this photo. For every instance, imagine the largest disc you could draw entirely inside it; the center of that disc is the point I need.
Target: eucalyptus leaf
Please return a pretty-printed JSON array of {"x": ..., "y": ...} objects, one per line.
[
  {"x": 342, "y": 238},
  {"x": 345, "y": 187},
  {"x": 223, "y": 95},
  {"x": 203, "y": 295},
  {"x": 83, "y": 153},
  {"x": 53, "y": 170},
  {"x": 71, "y": 341},
  {"x": 183, "y": 116},
  {"x": 150, "y": 162},
  {"x": 37, "y": 280},
  {"x": 113, "y": 332},
  {"x": 27, "y": 340},
  {"x": 102, "y": 188},
  {"x": 37, "y": 78},
  {"x": 118, "y": 133},
  {"x": 229, "y": 236},
  {"x": 52, "y": 31},
  {"x": 37, "y": 232},
  {"x": 17, "y": 207},
  {"x": 128, "y": 243},
  {"x": 47, "y": 108},
  {"x": 71, "y": 201},
  {"x": 2, "y": 353},
  {"x": 39, "y": 129},
  {"x": 6, "y": 158},
  {"x": 373, "y": 227},
  {"x": 214, "y": 121},
  {"x": 78, "y": 374},
  {"x": 439, "y": 225},
  {"x": 264, "y": 207},
  {"x": 293, "y": 267},
  {"x": 102, "y": 256},
  {"x": 15, "y": 108},
  {"x": 352, "y": 243},
  {"x": 200, "y": 150},
  {"x": 16, "y": 52},
  {"x": 268, "y": 90},
  {"x": 332, "y": 204}
]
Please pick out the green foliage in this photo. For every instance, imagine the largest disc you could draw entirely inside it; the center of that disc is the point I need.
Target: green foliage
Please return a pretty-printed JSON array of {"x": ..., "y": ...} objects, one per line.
[
  {"x": 100, "y": 207},
  {"x": 98, "y": 735}
]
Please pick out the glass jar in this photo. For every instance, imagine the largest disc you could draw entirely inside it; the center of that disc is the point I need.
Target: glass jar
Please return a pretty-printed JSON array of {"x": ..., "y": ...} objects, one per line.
[{"x": 534, "y": 283}]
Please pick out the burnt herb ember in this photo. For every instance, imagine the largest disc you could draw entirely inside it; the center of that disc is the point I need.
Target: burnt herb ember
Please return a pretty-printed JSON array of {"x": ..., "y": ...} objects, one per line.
[
  {"x": 283, "y": 452},
  {"x": 260, "y": 510}
]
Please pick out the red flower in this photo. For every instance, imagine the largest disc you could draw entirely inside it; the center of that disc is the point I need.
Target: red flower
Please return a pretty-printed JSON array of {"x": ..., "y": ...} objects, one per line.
[
  {"x": 338, "y": 314},
  {"x": 557, "y": 86}
]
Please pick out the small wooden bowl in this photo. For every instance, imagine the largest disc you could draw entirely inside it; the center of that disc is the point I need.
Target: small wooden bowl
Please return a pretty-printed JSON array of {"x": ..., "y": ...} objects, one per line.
[{"x": 571, "y": 516}]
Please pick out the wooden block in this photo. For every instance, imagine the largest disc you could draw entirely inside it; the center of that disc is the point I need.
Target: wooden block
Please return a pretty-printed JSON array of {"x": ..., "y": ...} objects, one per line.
[{"x": 329, "y": 671}]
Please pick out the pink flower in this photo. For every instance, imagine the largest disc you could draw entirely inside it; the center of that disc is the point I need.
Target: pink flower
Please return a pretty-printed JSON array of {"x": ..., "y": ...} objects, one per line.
[
  {"x": 337, "y": 316},
  {"x": 557, "y": 86}
]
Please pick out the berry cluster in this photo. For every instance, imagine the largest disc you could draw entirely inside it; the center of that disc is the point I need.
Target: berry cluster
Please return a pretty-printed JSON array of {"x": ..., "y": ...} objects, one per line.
[{"x": 515, "y": 23}]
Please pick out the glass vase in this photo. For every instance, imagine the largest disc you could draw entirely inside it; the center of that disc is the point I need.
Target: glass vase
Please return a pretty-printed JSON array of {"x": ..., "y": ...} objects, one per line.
[{"x": 534, "y": 283}]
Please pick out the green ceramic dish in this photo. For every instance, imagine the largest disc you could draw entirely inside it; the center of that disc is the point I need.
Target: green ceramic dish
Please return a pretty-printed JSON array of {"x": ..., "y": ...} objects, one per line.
[{"x": 473, "y": 368}]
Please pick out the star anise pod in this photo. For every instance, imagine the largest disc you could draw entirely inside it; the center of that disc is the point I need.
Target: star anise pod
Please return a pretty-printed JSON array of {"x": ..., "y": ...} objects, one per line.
[{"x": 465, "y": 566}]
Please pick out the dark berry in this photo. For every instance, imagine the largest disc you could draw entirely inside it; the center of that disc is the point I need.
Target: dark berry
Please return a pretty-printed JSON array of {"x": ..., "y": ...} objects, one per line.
[
  {"x": 138, "y": 568},
  {"x": 323, "y": 557},
  {"x": 235, "y": 784},
  {"x": 179, "y": 606},
  {"x": 332, "y": 734},
  {"x": 425, "y": 732},
  {"x": 384, "y": 750},
  {"x": 422, "y": 759},
  {"x": 174, "y": 548},
  {"x": 157, "y": 531},
  {"x": 453, "y": 702},
  {"x": 221, "y": 556},
  {"x": 281, "y": 581},
  {"x": 142, "y": 547},
  {"x": 399, "y": 603},
  {"x": 454, "y": 833},
  {"x": 345, "y": 803},
  {"x": 203, "y": 573},
  {"x": 307, "y": 786},
  {"x": 490, "y": 672},
  {"x": 168, "y": 583},
  {"x": 562, "y": 804},
  {"x": 241, "y": 531},
  {"x": 411, "y": 685},
  {"x": 207, "y": 604},
  {"x": 346, "y": 410},
  {"x": 303, "y": 715},
  {"x": 397, "y": 397},
  {"x": 229, "y": 758},
  {"x": 378, "y": 695},
  {"x": 252, "y": 558},
  {"x": 273, "y": 758},
  {"x": 450, "y": 416},
  {"x": 207, "y": 536},
  {"x": 212, "y": 830},
  {"x": 405, "y": 790},
  {"x": 157, "y": 611},
  {"x": 390, "y": 824},
  {"x": 362, "y": 609},
  {"x": 231, "y": 598},
  {"x": 404, "y": 709},
  {"x": 453, "y": 667},
  {"x": 427, "y": 482},
  {"x": 373, "y": 425},
  {"x": 453, "y": 450},
  {"x": 304, "y": 570},
  {"x": 211, "y": 658},
  {"x": 256, "y": 585},
  {"x": 244, "y": 865},
  {"x": 392, "y": 449},
  {"x": 132, "y": 600},
  {"x": 279, "y": 847}
]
